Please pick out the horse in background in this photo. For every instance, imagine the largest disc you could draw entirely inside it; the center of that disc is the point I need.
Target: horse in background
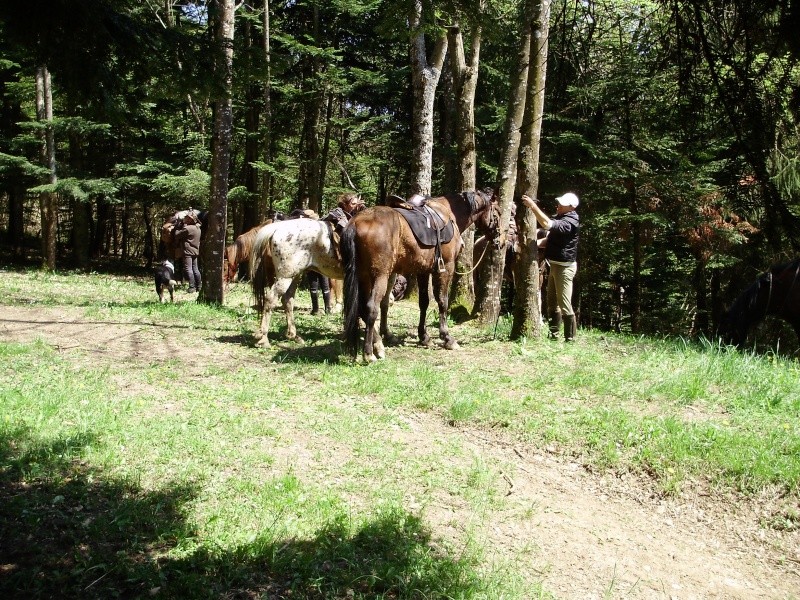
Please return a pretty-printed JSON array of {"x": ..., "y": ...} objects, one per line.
[
  {"x": 239, "y": 252},
  {"x": 481, "y": 246},
  {"x": 379, "y": 242},
  {"x": 775, "y": 292},
  {"x": 282, "y": 251}
]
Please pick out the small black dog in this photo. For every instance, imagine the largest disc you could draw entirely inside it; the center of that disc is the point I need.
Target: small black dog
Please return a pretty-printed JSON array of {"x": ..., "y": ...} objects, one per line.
[{"x": 164, "y": 274}]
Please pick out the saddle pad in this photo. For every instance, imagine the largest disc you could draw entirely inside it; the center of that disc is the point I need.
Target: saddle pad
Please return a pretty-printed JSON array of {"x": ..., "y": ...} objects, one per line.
[{"x": 425, "y": 234}]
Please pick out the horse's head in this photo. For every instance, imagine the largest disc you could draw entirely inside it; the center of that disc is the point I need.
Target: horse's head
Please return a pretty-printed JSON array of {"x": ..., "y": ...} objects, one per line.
[
  {"x": 486, "y": 213},
  {"x": 231, "y": 264}
]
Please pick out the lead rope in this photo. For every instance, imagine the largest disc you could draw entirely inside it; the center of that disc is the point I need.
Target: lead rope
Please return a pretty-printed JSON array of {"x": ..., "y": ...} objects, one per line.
[{"x": 475, "y": 266}]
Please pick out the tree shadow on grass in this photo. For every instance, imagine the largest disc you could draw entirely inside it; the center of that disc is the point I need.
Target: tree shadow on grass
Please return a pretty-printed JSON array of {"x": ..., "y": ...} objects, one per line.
[{"x": 69, "y": 530}]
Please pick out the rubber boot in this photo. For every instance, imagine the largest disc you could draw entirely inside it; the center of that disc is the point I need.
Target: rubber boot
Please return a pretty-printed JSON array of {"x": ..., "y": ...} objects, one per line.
[
  {"x": 570, "y": 327},
  {"x": 326, "y": 299},
  {"x": 314, "y": 303},
  {"x": 555, "y": 325}
]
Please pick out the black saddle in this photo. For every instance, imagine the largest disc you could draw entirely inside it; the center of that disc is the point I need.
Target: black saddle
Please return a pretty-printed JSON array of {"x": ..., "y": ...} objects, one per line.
[{"x": 427, "y": 225}]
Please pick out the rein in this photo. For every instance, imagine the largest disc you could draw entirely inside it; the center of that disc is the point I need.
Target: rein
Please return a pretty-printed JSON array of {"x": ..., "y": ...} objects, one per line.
[{"x": 475, "y": 266}]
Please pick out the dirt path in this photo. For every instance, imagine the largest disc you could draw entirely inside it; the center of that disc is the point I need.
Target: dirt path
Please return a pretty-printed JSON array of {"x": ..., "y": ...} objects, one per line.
[{"x": 584, "y": 535}]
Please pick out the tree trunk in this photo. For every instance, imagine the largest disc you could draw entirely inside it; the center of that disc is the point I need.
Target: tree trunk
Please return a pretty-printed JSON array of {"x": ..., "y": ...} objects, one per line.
[
  {"x": 266, "y": 142},
  {"x": 487, "y": 304},
  {"x": 47, "y": 200},
  {"x": 214, "y": 244},
  {"x": 16, "y": 219},
  {"x": 425, "y": 78},
  {"x": 465, "y": 83},
  {"x": 149, "y": 241},
  {"x": 249, "y": 211},
  {"x": 81, "y": 211},
  {"x": 326, "y": 147},
  {"x": 527, "y": 292},
  {"x": 313, "y": 98}
]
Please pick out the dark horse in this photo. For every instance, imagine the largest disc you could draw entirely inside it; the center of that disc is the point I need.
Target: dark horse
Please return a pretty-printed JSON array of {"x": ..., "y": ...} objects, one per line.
[
  {"x": 776, "y": 293},
  {"x": 379, "y": 243}
]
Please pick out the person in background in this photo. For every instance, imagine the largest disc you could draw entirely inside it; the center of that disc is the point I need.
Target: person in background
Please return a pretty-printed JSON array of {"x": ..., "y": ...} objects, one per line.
[
  {"x": 187, "y": 234},
  {"x": 346, "y": 208},
  {"x": 561, "y": 252}
]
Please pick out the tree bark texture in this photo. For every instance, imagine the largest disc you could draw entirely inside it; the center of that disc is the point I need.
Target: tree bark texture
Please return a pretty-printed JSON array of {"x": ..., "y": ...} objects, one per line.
[
  {"x": 527, "y": 292},
  {"x": 425, "y": 78},
  {"x": 266, "y": 142},
  {"x": 47, "y": 200},
  {"x": 214, "y": 244},
  {"x": 487, "y": 304},
  {"x": 465, "y": 84}
]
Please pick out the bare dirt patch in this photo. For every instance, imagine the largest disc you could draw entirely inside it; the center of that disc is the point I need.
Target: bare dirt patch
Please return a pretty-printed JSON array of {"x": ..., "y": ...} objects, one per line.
[{"x": 584, "y": 535}]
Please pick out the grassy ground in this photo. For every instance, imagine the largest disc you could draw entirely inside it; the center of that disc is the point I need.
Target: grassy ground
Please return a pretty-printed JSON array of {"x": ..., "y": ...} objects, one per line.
[{"x": 284, "y": 472}]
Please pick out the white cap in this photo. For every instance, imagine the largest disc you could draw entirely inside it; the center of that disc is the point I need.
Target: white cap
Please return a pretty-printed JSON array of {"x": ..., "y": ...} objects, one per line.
[{"x": 568, "y": 199}]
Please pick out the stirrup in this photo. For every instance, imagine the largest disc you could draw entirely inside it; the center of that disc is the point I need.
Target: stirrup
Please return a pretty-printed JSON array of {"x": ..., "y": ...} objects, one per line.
[{"x": 440, "y": 264}]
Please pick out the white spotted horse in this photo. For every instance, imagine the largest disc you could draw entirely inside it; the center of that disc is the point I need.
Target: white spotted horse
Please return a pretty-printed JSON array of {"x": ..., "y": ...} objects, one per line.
[{"x": 282, "y": 252}]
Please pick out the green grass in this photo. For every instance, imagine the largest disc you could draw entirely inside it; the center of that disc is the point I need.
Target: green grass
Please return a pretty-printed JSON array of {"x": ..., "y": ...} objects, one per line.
[{"x": 293, "y": 471}]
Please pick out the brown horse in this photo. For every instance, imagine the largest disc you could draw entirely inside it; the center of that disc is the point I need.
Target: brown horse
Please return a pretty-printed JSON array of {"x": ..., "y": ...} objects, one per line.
[
  {"x": 776, "y": 293},
  {"x": 379, "y": 242},
  {"x": 240, "y": 251}
]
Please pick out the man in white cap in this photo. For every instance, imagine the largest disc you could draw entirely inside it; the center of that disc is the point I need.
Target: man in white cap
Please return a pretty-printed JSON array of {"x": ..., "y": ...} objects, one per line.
[{"x": 562, "y": 255}]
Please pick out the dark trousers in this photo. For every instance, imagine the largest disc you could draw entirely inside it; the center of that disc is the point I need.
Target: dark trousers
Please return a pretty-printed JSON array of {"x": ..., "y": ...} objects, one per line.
[
  {"x": 315, "y": 282},
  {"x": 191, "y": 272}
]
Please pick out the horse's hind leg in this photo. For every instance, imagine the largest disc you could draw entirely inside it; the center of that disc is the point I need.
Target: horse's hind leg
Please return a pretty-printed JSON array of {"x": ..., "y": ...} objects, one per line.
[
  {"x": 385, "y": 301},
  {"x": 373, "y": 345},
  {"x": 285, "y": 288},
  {"x": 441, "y": 288},
  {"x": 424, "y": 301},
  {"x": 262, "y": 335}
]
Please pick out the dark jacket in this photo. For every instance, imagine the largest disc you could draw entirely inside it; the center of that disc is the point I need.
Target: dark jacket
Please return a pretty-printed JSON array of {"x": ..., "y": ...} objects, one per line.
[
  {"x": 562, "y": 241},
  {"x": 189, "y": 236}
]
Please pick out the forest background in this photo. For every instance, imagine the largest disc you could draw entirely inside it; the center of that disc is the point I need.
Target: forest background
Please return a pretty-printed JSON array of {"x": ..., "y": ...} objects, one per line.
[{"x": 676, "y": 122}]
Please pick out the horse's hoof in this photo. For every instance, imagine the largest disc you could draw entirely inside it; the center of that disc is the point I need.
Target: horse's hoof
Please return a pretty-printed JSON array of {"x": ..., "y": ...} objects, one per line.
[
  {"x": 263, "y": 343},
  {"x": 452, "y": 346}
]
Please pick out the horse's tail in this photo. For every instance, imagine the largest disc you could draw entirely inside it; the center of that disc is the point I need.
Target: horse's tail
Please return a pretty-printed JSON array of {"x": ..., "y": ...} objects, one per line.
[
  {"x": 347, "y": 246},
  {"x": 259, "y": 269}
]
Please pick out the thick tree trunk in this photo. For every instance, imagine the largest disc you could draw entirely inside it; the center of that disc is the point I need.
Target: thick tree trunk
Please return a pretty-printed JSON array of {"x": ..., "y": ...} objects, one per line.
[
  {"x": 250, "y": 216},
  {"x": 487, "y": 304},
  {"x": 266, "y": 142},
  {"x": 47, "y": 200},
  {"x": 425, "y": 78},
  {"x": 214, "y": 243},
  {"x": 527, "y": 292},
  {"x": 308, "y": 195},
  {"x": 465, "y": 82}
]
